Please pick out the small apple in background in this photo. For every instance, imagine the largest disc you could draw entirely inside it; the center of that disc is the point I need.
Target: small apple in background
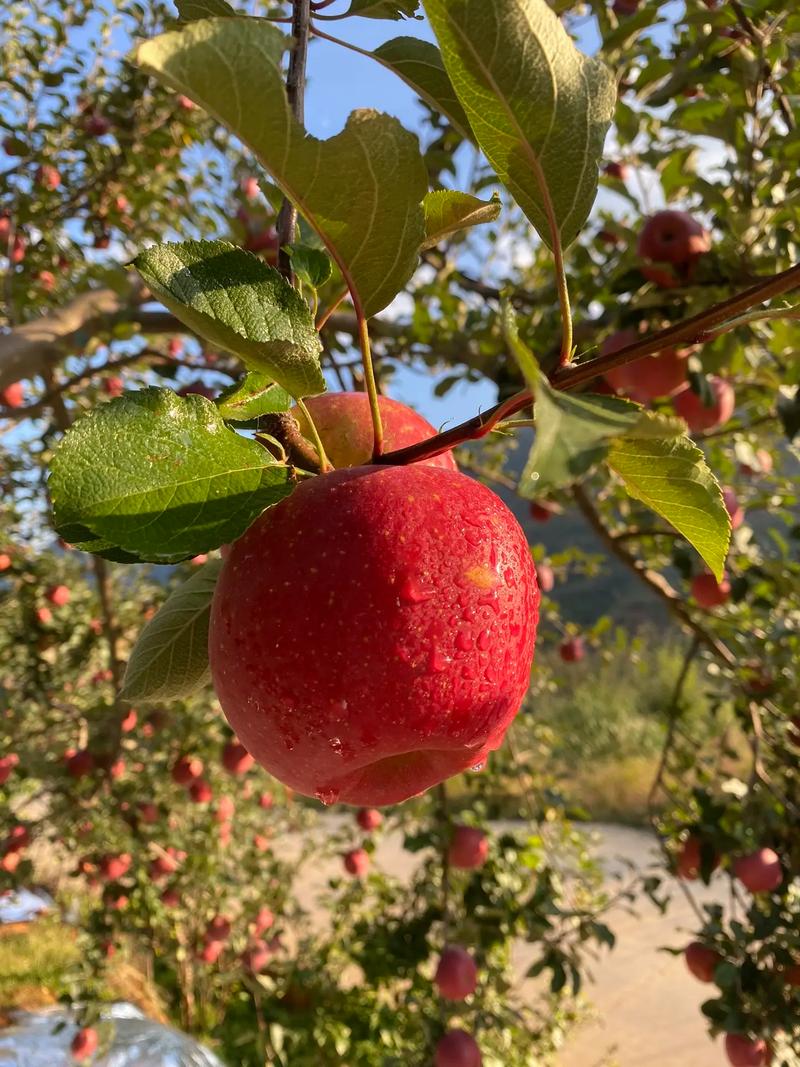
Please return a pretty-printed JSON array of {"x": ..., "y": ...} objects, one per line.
[
  {"x": 699, "y": 416},
  {"x": 689, "y": 859},
  {"x": 619, "y": 171},
  {"x": 456, "y": 973},
  {"x": 544, "y": 510},
  {"x": 760, "y": 871},
  {"x": 457, "y": 1048},
  {"x": 114, "y": 867},
  {"x": 674, "y": 237},
  {"x": 84, "y": 1044},
  {"x": 95, "y": 124},
  {"x": 102, "y": 240},
  {"x": 128, "y": 724},
  {"x": 185, "y": 104},
  {"x": 733, "y": 507},
  {"x": 48, "y": 177},
  {"x": 7, "y": 765},
  {"x": 18, "y": 839},
  {"x": 250, "y": 187},
  {"x": 219, "y": 929},
  {"x": 226, "y": 807},
  {"x": 13, "y": 396},
  {"x": 468, "y": 848},
  {"x": 47, "y": 280},
  {"x": 356, "y": 862},
  {"x": 113, "y": 386},
  {"x": 648, "y": 378},
  {"x": 10, "y": 861},
  {"x": 263, "y": 921},
  {"x": 745, "y": 1051},
  {"x": 44, "y": 615},
  {"x": 170, "y": 898},
  {"x": 149, "y": 813},
  {"x": 708, "y": 592},
  {"x": 80, "y": 764},
  {"x": 263, "y": 240},
  {"x": 369, "y": 819},
  {"x": 266, "y": 801},
  {"x": 175, "y": 347},
  {"x": 197, "y": 388},
  {"x": 200, "y": 792},
  {"x": 701, "y": 961},
  {"x": 211, "y": 951},
  {"x": 186, "y": 769},
  {"x": 344, "y": 424},
  {"x": 261, "y": 842},
  {"x": 572, "y": 650},
  {"x": 236, "y": 759},
  {"x": 117, "y": 901},
  {"x": 545, "y": 577},
  {"x": 256, "y": 956}
]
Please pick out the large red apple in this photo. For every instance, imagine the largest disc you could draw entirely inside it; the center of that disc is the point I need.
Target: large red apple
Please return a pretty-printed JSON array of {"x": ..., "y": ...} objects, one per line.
[
  {"x": 456, "y": 974},
  {"x": 650, "y": 377},
  {"x": 699, "y": 416},
  {"x": 747, "y": 1051},
  {"x": 760, "y": 871},
  {"x": 345, "y": 427},
  {"x": 457, "y": 1048},
  {"x": 468, "y": 849},
  {"x": 701, "y": 961},
  {"x": 372, "y": 634},
  {"x": 674, "y": 237},
  {"x": 84, "y": 1044}
]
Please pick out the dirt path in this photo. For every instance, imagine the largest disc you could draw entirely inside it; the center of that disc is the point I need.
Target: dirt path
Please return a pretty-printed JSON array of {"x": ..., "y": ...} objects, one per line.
[{"x": 647, "y": 1005}]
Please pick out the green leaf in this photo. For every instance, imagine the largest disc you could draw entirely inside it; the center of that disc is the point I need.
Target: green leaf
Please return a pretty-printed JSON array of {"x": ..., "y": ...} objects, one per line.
[
  {"x": 448, "y": 211},
  {"x": 311, "y": 265},
  {"x": 361, "y": 191},
  {"x": 189, "y": 10},
  {"x": 384, "y": 9},
  {"x": 670, "y": 475},
  {"x": 161, "y": 477},
  {"x": 419, "y": 64},
  {"x": 170, "y": 659},
  {"x": 234, "y": 300},
  {"x": 539, "y": 109},
  {"x": 254, "y": 395}
]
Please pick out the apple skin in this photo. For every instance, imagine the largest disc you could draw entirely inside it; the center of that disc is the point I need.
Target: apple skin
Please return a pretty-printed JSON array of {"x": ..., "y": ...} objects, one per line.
[
  {"x": 697, "y": 416},
  {"x": 356, "y": 862},
  {"x": 674, "y": 237},
  {"x": 456, "y": 973},
  {"x": 648, "y": 378},
  {"x": 701, "y": 961},
  {"x": 344, "y": 424},
  {"x": 369, "y": 819},
  {"x": 236, "y": 759},
  {"x": 689, "y": 859},
  {"x": 457, "y": 1048},
  {"x": 747, "y": 1052},
  {"x": 760, "y": 871},
  {"x": 468, "y": 848},
  {"x": 708, "y": 592},
  {"x": 373, "y": 633},
  {"x": 84, "y": 1044}
]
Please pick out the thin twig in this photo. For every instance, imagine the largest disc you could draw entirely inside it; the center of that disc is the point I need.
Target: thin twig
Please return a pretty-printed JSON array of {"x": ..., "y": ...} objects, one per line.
[{"x": 295, "y": 94}]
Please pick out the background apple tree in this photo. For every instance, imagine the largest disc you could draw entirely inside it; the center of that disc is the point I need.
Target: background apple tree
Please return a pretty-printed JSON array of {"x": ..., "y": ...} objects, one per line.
[{"x": 643, "y": 350}]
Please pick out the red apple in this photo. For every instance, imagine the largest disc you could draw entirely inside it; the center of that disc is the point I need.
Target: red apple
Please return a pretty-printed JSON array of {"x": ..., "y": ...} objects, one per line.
[
  {"x": 543, "y": 510},
  {"x": 456, "y": 974},
  {"x": 198, "y": 561},
  {"x": 80, "y": 764},
  {"x": 18, "y": 839},
  {"x": 13, "y": 395},
  {"x": 745, "y": 1051},
  {"x": 95, "y": 124},
  {"x": 263, "y": 921},
  {"x": 457, "y": 1048},
  {"x": 673, "y": 237},
  {"x": 165, "y": 863},
  {"x": 5, "y": 561},
  {"x": 266, "y": 801},
  {"x": 149, "y": 813},
  {"x": 423, "y": 637},
  {"x": 689, "y": 859},
  {"x": 114, "y": 867},
  {"x": 250, "y": 187},
  {"x": 708, "y": 592},
  {"x": 211, "y": 951},
  {"x": 186, "y": 769},
  {"x": 197, "y": 388},
  {"x": 10, "y": 861},
  {"x": 171, "y": 898},
  {"x": 7, "y": 765},
  {"x": 650, "y": 377},
  {"x": 700, "y": 416},
  {"x": 760, "y": 871},
  {"x": 113, "y": 386},
  {"x": 18, "y": 248},
  {"x": 47, "y": 280},
  {"x": 256, "y": 956},
  {"x": 175, "y": 346},
  {"x": 701, "y": 961},
  {"x": 263, "y": 239},
  {"x": 84, "y": 1044},
  {"x": 369, "y": 819},
  {"x": 545, "y": 577},
  {"x": 44, "y": 615},
  {"x": 225, "y": 809},
  {"x": 48, "y": 177},
  {"x": 261, "y": 842},
  {"x": 345, "y": 427},
  {"x": 200, "y": 792},
  {"x": 59, "y": 595},
  {"x": 356, "y": 862},
  {"x": 219, "y": 929},
  {"x": 572, "y": 650},
  {"x": 236, "y": 759},
  {"x": 468, "y": 848},
  {"x": 619, "y": 171},
  {"x": 129, "y": 722},
  {"x": 117, "y": 901},
  {"x": 185, "y": 103},
  {"x": 733, "y": 507}
]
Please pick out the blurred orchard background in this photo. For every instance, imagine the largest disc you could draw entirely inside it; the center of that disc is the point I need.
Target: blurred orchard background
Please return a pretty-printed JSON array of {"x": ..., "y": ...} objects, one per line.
[{"x": 658, "y": 746}]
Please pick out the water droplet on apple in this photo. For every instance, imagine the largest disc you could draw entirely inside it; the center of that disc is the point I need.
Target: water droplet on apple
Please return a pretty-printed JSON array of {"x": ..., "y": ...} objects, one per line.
[
  {"x": 414, "y": 591},
  {"x": 478, "y": 766},
  {"x": 463, "y": 641},
  {"x": 437, "y": 662},
  {"x": 327, "y": 796},
  {"x": 336, "y": 745},
  {"x": 483, "y": 640}
]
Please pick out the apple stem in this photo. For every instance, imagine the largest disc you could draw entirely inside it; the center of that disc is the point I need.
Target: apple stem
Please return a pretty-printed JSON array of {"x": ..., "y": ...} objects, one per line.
[
  {"x": 295, "y": 94},
  {"x": 699, "y": 328},
  {"x": 324, "y": 463},
  {"x": 372, "y": 388}
]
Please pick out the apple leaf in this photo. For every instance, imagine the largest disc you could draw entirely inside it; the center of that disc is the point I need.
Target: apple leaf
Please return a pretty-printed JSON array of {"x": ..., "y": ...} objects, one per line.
[
  {"x": 234, "y": 300},
  {"x": 419, "y": 64},
  {"x": 667, "y": 471},
  {"x": 189, "y": 10},
  {"x": 161, "y": 477},
  {"x": 361, "y": 191},
  {"x": 539, "y": 109},
  {"x": 384, "y": 9},
  {"x": 311, "y": 265},
  {"x": 448, "y": 211},
  {"x": 170, "y": 659},
  {"x": 254, "y": 395}
]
